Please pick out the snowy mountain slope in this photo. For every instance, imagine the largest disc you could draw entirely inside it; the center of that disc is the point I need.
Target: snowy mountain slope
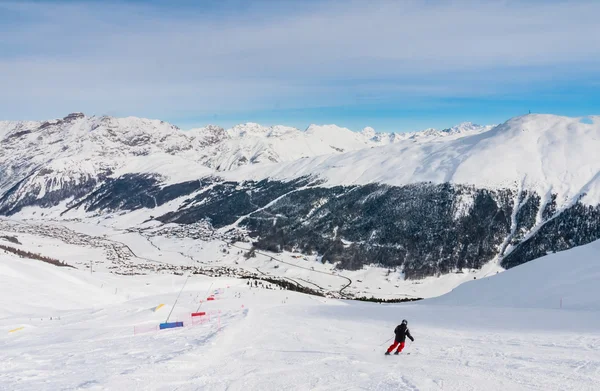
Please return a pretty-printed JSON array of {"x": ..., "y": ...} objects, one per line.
[
  {"x": 102, "y": 140},
  {"x": 462, "y": 129},
  {"x": 252, "y": 143},
  {"x": 542, "y": 153},
  {"x": 78, "y": 148},
  {"x": 509, "y": 195},
  {"x": 48, "y": 160},
  {"x": 422, "y": 204},
  {"x": 37, "y": 283},
  {"x": 569, "y": 279}
]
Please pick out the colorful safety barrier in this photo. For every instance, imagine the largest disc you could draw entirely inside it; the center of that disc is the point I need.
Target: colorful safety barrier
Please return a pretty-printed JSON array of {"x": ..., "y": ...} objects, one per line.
[
  {"x": 158, "y": 307},
  {"x": 192, "y": 320},
  {"x": 17, "y": 329}
]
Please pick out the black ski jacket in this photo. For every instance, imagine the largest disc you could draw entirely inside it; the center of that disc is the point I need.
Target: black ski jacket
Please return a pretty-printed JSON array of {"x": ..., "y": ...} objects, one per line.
[{"x": 402, "y": 332}]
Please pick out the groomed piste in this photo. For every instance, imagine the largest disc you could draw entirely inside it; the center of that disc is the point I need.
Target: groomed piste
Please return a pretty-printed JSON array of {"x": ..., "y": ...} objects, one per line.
[{"x": 505, "y": 332}]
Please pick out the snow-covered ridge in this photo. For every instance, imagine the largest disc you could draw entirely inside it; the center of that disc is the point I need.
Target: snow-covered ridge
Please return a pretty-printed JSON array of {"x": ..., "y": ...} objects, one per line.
[
  {"x": 545, "y": 153},
  {"x": 252, "y": 143},
  {"x": 99, "y": 145}
]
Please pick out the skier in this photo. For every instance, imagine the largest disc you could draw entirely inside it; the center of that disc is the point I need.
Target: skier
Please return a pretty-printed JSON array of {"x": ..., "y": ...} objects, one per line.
[{"x": 401, "y": 333}]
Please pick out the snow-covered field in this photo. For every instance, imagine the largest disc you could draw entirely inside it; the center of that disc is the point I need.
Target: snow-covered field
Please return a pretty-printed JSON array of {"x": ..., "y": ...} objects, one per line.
[{"x": 267, "y": 339}]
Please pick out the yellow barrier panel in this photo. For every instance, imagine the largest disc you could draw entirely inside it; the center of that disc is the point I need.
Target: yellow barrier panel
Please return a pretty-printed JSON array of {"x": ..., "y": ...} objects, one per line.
[
  {"x": 17, "y": 329},
  {"x": 158, "y": 307}
]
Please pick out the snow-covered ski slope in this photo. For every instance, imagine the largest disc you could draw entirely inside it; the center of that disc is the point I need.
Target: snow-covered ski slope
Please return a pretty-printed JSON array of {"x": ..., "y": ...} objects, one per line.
[
  {"x": 261, "y": 339},
  {"x": 568, "y": 279}
]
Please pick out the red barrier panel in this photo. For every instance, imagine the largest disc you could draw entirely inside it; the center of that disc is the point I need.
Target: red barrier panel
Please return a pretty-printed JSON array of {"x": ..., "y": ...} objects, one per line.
[
  {"x": 210, "y": 298},
  {"x": 198, "y": 313}
]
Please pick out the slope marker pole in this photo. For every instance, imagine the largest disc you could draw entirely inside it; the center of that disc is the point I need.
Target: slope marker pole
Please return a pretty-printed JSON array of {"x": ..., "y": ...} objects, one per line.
[{"x": 172, "y": 308}]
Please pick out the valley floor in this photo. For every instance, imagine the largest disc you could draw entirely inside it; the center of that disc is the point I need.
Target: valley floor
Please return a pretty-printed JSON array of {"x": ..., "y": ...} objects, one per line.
[
  {"x": 109, "y": 245},
  {"x": 261, "y": 339}
]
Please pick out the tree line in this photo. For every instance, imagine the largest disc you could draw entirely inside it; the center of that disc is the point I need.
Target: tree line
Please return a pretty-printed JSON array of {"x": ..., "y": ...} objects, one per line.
[{"x": 30, "y": 255}]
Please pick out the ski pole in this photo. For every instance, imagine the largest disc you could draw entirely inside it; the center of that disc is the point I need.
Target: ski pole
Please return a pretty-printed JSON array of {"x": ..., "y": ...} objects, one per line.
[
  {"x": 386, "y": 341},
  {"x": 383, "y": 343}
]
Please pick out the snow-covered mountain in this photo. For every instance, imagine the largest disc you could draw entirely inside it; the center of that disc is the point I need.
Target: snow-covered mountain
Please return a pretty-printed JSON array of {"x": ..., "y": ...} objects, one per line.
[
  {"x": 104, "y": 144},
  {"x": 78, "y": 152},
  {"x": 544, "y": 153},
  {"x": 425, "y": 203},
  {"x": 252, "y": 143},
  {"x": 55, "y": 159}
]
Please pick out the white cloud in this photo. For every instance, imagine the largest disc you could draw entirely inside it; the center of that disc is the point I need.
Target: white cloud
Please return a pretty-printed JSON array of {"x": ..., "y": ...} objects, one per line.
[{"x": 155, "y": 61}]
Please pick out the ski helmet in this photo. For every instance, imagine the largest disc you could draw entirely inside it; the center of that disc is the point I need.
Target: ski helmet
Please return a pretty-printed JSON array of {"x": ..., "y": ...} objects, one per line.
[{"x": 404, "y": 321}]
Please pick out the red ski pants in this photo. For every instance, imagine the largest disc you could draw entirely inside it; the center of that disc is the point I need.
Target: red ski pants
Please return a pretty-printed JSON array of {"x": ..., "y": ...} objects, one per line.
[{"x": 393, "y": 346}]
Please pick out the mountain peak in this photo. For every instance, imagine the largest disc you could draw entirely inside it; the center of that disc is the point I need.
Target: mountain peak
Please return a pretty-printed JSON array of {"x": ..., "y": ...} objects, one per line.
[
  {"x": 368, "y": 132},
  {"x": 466, "y": 127},
  {"x": 74, "y": 116}
]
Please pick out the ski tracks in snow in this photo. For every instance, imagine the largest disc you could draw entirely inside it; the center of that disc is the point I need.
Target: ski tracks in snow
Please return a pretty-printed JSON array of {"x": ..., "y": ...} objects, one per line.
[{"x": 305, "y": 344}]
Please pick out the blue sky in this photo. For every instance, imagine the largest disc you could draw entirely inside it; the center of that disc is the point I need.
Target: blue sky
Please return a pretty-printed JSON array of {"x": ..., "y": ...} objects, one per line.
[{"x": 393, "y": 65}]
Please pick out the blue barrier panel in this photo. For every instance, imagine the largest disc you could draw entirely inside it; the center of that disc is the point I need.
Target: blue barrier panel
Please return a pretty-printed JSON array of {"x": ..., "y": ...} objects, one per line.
[{"x": 170, "y": 325}]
